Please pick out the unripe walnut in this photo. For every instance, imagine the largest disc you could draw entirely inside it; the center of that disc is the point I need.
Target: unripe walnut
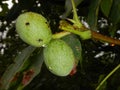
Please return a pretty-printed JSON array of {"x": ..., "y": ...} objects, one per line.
[
  {"x": 59, "y": 57},
  {"x": 33, "y": 29}
]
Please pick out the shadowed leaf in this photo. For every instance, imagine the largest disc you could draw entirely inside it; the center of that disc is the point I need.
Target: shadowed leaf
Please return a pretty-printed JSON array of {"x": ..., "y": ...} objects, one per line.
[
  {"x": 15, "y": 67},
  {"x": 106, "y": 6},
  {"x": 115, "y": 12},
  {"x": 93, "y": 14},
  {"x": 33, "y": 70},
  {"x": 68, "y": 8}
]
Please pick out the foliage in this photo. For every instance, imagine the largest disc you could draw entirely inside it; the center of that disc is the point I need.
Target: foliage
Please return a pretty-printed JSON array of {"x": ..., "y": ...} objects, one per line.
[{"x": 98, "y": 56}]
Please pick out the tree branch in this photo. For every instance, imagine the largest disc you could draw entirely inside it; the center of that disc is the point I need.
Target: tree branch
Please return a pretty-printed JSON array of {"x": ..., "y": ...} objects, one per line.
[{"x": 83, "y": 32}]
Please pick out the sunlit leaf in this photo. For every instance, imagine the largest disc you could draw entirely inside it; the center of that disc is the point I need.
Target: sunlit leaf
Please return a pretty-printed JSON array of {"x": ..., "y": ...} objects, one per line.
[
  {"x": 15, "y": 67},
  {"x": 93, "y": 14}
]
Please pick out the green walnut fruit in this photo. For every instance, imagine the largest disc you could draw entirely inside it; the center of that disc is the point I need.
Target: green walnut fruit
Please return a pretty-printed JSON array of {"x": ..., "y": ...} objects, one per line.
[
  {"x": 59, "y": 57},
  {"x": 33, "y": 29}
]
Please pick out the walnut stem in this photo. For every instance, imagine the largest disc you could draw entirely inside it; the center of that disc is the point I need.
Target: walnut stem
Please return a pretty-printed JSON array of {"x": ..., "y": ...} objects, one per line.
[
  {"x": 64, "y": 25},
  {"x": 99, "y": 36}
]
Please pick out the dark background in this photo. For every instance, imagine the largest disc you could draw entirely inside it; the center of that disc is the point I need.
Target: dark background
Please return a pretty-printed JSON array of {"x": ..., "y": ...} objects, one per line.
[{"x": 11, "y": 44}]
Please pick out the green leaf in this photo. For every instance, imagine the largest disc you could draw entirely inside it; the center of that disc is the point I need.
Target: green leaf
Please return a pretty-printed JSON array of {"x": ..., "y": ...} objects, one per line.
[
  {"x": 112, "y": 30},
  {"x": 115, "y": 12},
  {"x": 93, "y": 14},
  {"x": 103, "y": 87},
  {"x": 34, "y": 69},
  {"x": 28, "y": 71},
  {"x": 15, "y": 67},
  {"x": 68, "y": 8},
  {"x": 106, "y": 7},
  {"x": 75, "y": 44}
]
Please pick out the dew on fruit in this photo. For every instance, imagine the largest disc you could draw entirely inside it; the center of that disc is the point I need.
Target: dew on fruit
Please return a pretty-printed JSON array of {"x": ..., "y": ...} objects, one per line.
[
  {"x": 43, "y": 45},
  {"x": 50, "y": 68}
]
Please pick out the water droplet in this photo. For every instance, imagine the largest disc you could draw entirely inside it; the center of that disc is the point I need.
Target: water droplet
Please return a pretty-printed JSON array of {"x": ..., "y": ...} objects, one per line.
[
  {"x": 44, "y": 45},
  {"x": 50, "y": 68}
]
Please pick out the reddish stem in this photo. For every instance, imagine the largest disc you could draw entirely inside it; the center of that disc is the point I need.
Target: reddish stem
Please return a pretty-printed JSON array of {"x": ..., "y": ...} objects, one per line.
[{"x": 104, "y": 38}]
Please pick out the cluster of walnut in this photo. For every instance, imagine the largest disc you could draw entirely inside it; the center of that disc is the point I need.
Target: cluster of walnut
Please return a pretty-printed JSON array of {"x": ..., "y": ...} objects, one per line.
[{"x": 34, "y": 29}]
